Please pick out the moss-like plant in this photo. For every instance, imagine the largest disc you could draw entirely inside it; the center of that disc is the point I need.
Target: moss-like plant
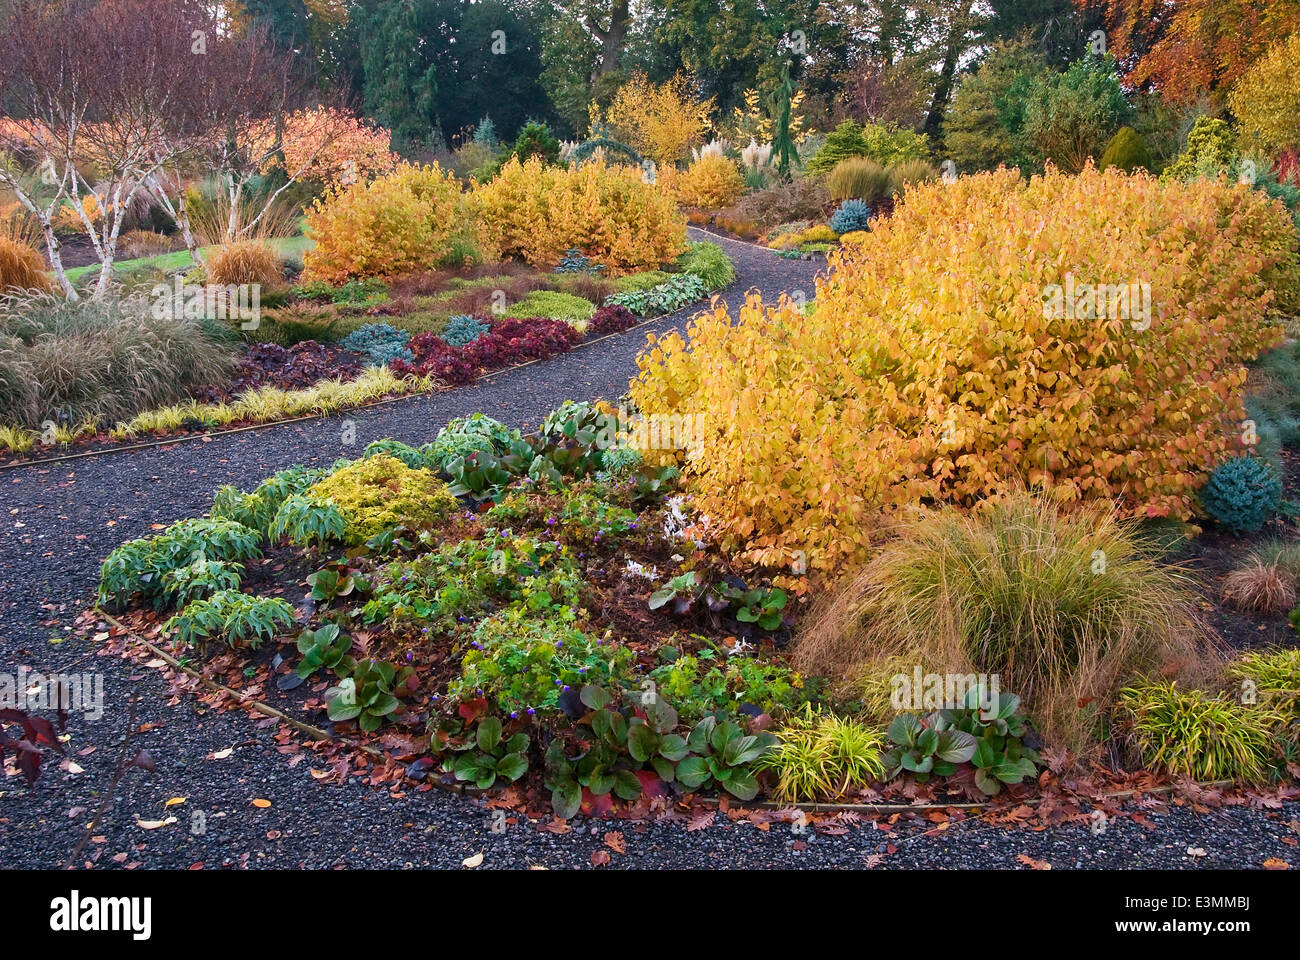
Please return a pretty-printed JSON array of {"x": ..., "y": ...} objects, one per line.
[
  {"x": 381, "y": 492},
  {"x": 570, "y": 308}
]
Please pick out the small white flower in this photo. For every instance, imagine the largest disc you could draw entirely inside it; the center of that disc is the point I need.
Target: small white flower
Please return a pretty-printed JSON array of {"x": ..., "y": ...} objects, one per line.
[{"x": 635, "y": 569}]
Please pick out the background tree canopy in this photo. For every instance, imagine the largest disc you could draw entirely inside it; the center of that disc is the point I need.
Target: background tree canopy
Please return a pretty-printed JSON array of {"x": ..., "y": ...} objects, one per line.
[{"x": 959, "y": 70}]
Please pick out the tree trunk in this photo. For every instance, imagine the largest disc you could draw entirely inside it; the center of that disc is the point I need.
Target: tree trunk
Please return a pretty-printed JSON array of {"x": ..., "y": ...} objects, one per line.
[
  {"x": 943, "y": 89},
  {"x": 612, "y": 38},
  {"x": 52, "y": 248}
]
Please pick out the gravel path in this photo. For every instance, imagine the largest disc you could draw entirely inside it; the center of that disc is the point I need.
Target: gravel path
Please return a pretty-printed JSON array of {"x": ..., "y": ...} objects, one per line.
[{"x": 60, "y": 521}]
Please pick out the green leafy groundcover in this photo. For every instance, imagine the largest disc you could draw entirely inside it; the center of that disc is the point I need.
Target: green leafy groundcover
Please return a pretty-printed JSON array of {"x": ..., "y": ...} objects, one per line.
[{"x": 558, "y": 627}]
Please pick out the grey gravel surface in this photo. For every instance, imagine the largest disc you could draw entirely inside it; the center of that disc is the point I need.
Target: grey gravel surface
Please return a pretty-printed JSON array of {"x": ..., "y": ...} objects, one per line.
[{"x": 59, "y": 522}]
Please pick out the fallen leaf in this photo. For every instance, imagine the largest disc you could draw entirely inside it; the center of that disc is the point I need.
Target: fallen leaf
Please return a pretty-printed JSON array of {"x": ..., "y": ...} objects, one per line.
[
  {"x": 469, "y": 863},
  {"x": 153, "y": 824},
  {"x": 1273, "y": 863},
  {"x": 615, "y": 842},
  {"x": 1033, "y": 864},
  {"x": 259, "y": 802},
  {"x": 174, "y": 801},
  {"x": 221, "y": 754},
  {"x": 600, "y": 858}
]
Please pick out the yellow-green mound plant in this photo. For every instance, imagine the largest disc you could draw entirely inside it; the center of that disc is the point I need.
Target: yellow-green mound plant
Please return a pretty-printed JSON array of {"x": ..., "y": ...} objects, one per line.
[{"x": 380, "y": 492}]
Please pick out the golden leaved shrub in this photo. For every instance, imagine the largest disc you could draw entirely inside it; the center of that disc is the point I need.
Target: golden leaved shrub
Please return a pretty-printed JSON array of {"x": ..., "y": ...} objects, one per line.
[
  {"x": 538, "y": 212},
  {"x": 406, "y": 221},
  {"x": 711, "y": 183},
  {"x": 930, "y": 370}
]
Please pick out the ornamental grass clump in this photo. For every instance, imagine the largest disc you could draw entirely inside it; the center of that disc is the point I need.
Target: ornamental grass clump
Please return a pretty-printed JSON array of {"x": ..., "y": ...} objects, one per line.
[
  {"x": 76, "y": 361},
  {"x": 1270, "y": 678},
  {"x": 1193, "y": 734},
  {"x": 245, "y": 262},
  {"x": 21, "y": 267},
  {"x": 822, "y": 757},
  {"x": 1062, "y": 606},
  {"x": 859, "y": 178},
  {"x": 946, "y": 363}
]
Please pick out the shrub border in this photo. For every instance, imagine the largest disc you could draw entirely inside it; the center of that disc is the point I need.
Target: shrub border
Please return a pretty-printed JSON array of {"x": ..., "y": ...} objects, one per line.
[{"x": 14, "y": 464}]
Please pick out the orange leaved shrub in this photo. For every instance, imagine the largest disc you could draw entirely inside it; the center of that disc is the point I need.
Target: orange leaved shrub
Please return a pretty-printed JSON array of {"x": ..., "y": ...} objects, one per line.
[
  {"x": 991, "y": 333},
  {"x": 406, "y": 221},
  {"x": 610, "y": 213}
]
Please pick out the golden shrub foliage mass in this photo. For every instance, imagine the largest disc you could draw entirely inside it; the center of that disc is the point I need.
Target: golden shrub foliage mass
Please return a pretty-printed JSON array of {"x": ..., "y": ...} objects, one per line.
[
  {"x": 930, "y": 370},
  {"x": 608, "y": 212},
  {"x": 397, "y": 224},
  {"x": 710, "y": 183}
]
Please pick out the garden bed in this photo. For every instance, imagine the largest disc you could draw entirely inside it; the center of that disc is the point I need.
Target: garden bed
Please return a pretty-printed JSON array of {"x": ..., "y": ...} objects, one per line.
[
  {"x": 549, "y": 605},
  {"x": 325, "y": 349}
]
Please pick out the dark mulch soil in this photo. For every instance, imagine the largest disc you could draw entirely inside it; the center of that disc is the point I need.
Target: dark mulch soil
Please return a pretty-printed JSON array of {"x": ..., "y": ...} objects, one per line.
[
  {"x": 76, "y": 251},
  {"x": 1215, "y": 553},
  {"x": 61, "y": 520}
]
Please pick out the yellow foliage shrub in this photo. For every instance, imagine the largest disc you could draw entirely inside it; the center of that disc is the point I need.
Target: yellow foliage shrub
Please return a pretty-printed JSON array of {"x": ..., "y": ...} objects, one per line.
[
  {"x": 937, "y": 369},
  {"x": 21, "y": 267},
  {"x": 1266, "y": 100},
  {"x": 380, "y": 492},
  {"x": 68, "y": 220},
  {"x": 820, "y": 233},
  {"x": 400, "y": 223},
  {"x": 609, "y": 213},
  {"x": 245, "y": 261},
  {"x": 711, "y": 182}
]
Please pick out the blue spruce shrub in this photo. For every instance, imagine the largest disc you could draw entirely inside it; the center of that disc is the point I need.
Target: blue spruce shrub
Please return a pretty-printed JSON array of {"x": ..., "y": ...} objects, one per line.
[
  {"x": 382, "y": 343},
  {"x": 463, "y": 330},
  {"x": 574, "y": 261},
  {"x": 1242, "y": 494},
  {"x": 852, "y": 215}
]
